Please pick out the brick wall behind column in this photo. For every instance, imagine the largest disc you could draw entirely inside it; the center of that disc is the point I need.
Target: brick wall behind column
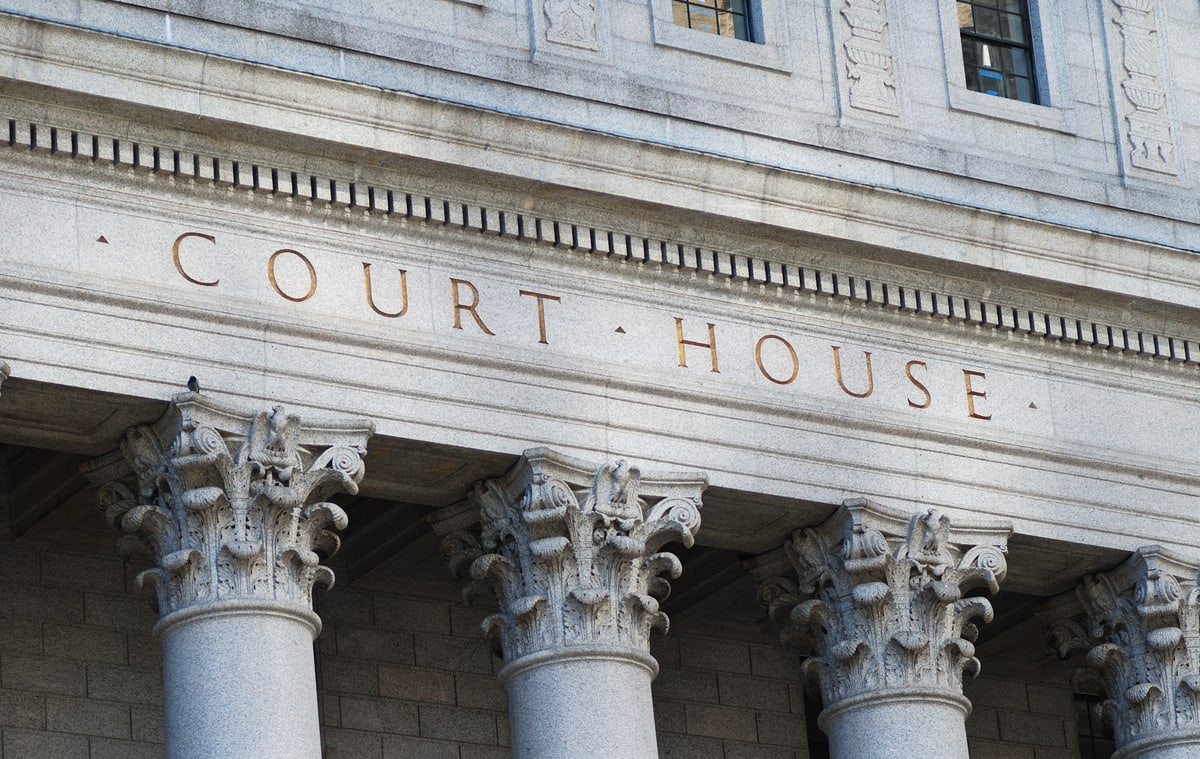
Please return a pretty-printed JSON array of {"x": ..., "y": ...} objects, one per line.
[
  {"x": 1021, "y": 712},
  {"x": 80, "y": 674},
  {"x": 719, "y": 697},
  {"x": 407, "y": 678}
]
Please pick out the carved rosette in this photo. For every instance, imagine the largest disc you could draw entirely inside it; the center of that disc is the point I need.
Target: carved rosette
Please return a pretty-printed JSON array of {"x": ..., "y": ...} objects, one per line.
[
  {"x": 1140, "y": 629},
  {"x": 572, "y": 554},
  {"x": 877, "y": 598},
  {"x": 230, "y": 506},
  {"x": 1147, "y": 115},
  {"x": 869, "y": 57}
]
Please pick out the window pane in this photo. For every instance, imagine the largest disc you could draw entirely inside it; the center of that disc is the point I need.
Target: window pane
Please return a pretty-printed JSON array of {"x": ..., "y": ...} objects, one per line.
[
  {"x": 1012, "y": 27},
  {"x": 679, "y": 13},
  {"x": 704, "y": 19},
  {"x": 987, "y": 22},
  {"x": 966, "y": 18}
]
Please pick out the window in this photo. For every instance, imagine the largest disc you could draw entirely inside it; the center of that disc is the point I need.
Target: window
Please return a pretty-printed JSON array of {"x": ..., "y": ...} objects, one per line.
[
  {"x": 1095, "y": 737},
  {"x": 997, "y": 48},
  {"x": 727, "y": 18}
]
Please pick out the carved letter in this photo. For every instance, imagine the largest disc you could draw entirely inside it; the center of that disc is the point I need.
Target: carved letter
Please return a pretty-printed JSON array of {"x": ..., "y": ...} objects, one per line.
[
  {"x": 972, "y": 394},
  {"x": 541, "y": 312},
  {"x": 837, "y": 368},
  {"x": 711, "y": 344},
  {"x": 792, "y": 351},
  {"x": 312, "y": 275},
  {"x": 920, "y": 386},
  {"x": 371, "y": 298},
  {"x": 179, "y": 264},
  {"x": 459, "y": 306}
]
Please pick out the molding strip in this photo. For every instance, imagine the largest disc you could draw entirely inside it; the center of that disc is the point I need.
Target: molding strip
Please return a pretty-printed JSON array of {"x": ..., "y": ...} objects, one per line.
[{"x": 1056, "y": 327}]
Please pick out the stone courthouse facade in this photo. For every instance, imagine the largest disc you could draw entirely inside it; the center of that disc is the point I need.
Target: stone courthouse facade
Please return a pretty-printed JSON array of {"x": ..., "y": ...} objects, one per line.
[{"x": 855, "y": 341}]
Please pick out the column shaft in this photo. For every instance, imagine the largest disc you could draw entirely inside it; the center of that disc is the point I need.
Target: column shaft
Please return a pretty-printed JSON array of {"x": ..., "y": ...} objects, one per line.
[
  {"x": 897, "y": 726},
  {"x": 240, "y": 686}
]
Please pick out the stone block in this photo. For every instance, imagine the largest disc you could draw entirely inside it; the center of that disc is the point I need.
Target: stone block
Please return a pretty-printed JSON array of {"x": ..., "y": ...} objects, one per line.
[
  {"x": 85, "y": 572},
  {"x": 342, "y": 607},
  {"x": 147, "y": 723},
  {"x": 474, "y": 751},
  {"x": 96, "y": 644},
  {"x": 479, "y": 692},
  {"x": 134, "y": 686},
  {"x": 20, "y": 636},
  {"x": 465, "y": 622},
  {"x": 107, "y": 748},
  {"x": 19, "y": 564},
  {"x": 43, "y": 674},
  {"x": 374, "y": 645},
  {"x": 87, "y": 716},
  {"x": 669, "y": 717},
  {"x": 143, "y": 650},
  {"x": 782, "y": 730},
  {"x": 1036, "y": 729},
  {"x": 994, "y": 750},
  {"x": 131, "y": 613},
  {"x": 1001, "y": 694},
  {"x": 710, "y": 653},
  {"x": 737, "y": 750},
  {"x": 983, "y": 723},
  {"x": 28, "y": 744},
  {"x": 416, "y": 684},
  {"x": 378, "y": 715},
  {"x": 458, "y": 654},
  {"x": 752, "y": 692},
  {"x": 720, "y": 722},
  {"x": 687, "y": 685},
  {"x": 399, "y": 613},
  {"x": 62, "y": 605},
  {"x": 775, "y": 662},
  {"x": 348, "y": 676},
  {"x": 352, "y": 744},
  {"x": 1051, "y": 700},
  {"x": 22, "y": 709},
  {"x": 672, "y": 746},
  {"x": 458, "y": 724},
  {"x": 397, "y": 747}
]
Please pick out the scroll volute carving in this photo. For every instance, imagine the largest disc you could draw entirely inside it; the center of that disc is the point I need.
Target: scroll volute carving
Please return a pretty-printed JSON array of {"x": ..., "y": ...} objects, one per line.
[
  {"x": 572, "y": 554},
  {"x": 878, "y": 598},
  {"x": 229, "y": 505},
  {"x": 1139, "y": 628}
]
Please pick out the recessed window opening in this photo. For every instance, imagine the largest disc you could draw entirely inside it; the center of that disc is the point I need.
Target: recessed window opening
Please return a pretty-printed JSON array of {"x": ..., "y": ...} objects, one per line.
[
  {"x": 725, "y": 18},
  {"x": 997, "y": 45}
]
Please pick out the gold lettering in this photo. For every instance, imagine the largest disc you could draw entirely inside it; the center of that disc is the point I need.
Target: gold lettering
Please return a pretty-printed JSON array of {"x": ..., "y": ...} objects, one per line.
[
  {"x": 312, "y": 275},
  {"x": 459, "y": 306},
  {"x": 711, "y": 344},
  {"x": 920, "y": 386},
  {"x": 541, "y": 297},
  {"x": 837, "y": 368},
  {"x": 371, "y": 298},
  {"x": 179, "y": 264},
  {"x": 791, "y": 351},
  {"x": 972, "y": 394}
]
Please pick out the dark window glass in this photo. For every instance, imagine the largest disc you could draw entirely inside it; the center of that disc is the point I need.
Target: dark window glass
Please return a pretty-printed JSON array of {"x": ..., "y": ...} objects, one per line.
[
  {"x": 998, "y": 48},
  {"x": 1095, "y": 738},
  {"x": 727, "y": 18}
]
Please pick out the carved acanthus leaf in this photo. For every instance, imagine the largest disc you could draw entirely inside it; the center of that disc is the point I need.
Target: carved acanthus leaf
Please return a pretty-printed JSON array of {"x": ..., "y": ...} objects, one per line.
[
  {"x": 230, "y": 506},
  {"x": 571, "y": 554},
  {"x": 876, "y": 598}
]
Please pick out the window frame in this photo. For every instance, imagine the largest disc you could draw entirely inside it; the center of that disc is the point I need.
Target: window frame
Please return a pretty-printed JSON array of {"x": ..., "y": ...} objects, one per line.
[
  {"x": 767, "y": 47},
  {"x": 1053, "y": 109}
]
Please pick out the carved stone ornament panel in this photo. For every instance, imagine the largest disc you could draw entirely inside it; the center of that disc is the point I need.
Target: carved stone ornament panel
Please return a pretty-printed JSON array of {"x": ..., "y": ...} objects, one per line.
[
  {"x": 1144, "y": 103},
  {"x": 572, "y": 22},
  {"x": 1140, "y": 631},
  {"x": 869, "y": 60},
  {"x": 230, "y": 505},
  {"x": 877, "y": 598},
  {"x": 571, "y": 552}
]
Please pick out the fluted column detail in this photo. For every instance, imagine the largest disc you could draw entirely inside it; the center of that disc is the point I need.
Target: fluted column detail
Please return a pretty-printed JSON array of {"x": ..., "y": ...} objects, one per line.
[
  {"x": 571, "y": 554},
  {"x": 876, "y": 597},
  {"x": 230, "y": 508},
  {"x": 1140, "y": 631}
]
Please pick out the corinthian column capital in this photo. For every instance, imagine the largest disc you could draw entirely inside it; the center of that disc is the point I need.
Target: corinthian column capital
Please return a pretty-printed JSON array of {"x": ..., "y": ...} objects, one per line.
[
  {"x": 571, "y": 552},
  {"x": 877, "y": 596},
  {"x": 230, "y": 504},
  {"x": 1140, "y": 630}
]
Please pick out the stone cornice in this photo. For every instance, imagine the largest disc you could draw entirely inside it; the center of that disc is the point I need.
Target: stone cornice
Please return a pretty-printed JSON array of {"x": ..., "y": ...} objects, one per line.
[
  {"x": 229, "y": 505},
  {"x": 570, "y": 237},
  {"x": 375, "y": 124}
]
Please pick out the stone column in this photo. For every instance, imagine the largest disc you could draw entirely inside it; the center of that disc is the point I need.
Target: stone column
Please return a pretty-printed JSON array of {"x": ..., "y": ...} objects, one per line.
[
  {"x": 229, "y": 506},
  {"x": 1140, "y": 630},
  {"x": 876, "y": 597},
  {"x": 571, "y": 555}
]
